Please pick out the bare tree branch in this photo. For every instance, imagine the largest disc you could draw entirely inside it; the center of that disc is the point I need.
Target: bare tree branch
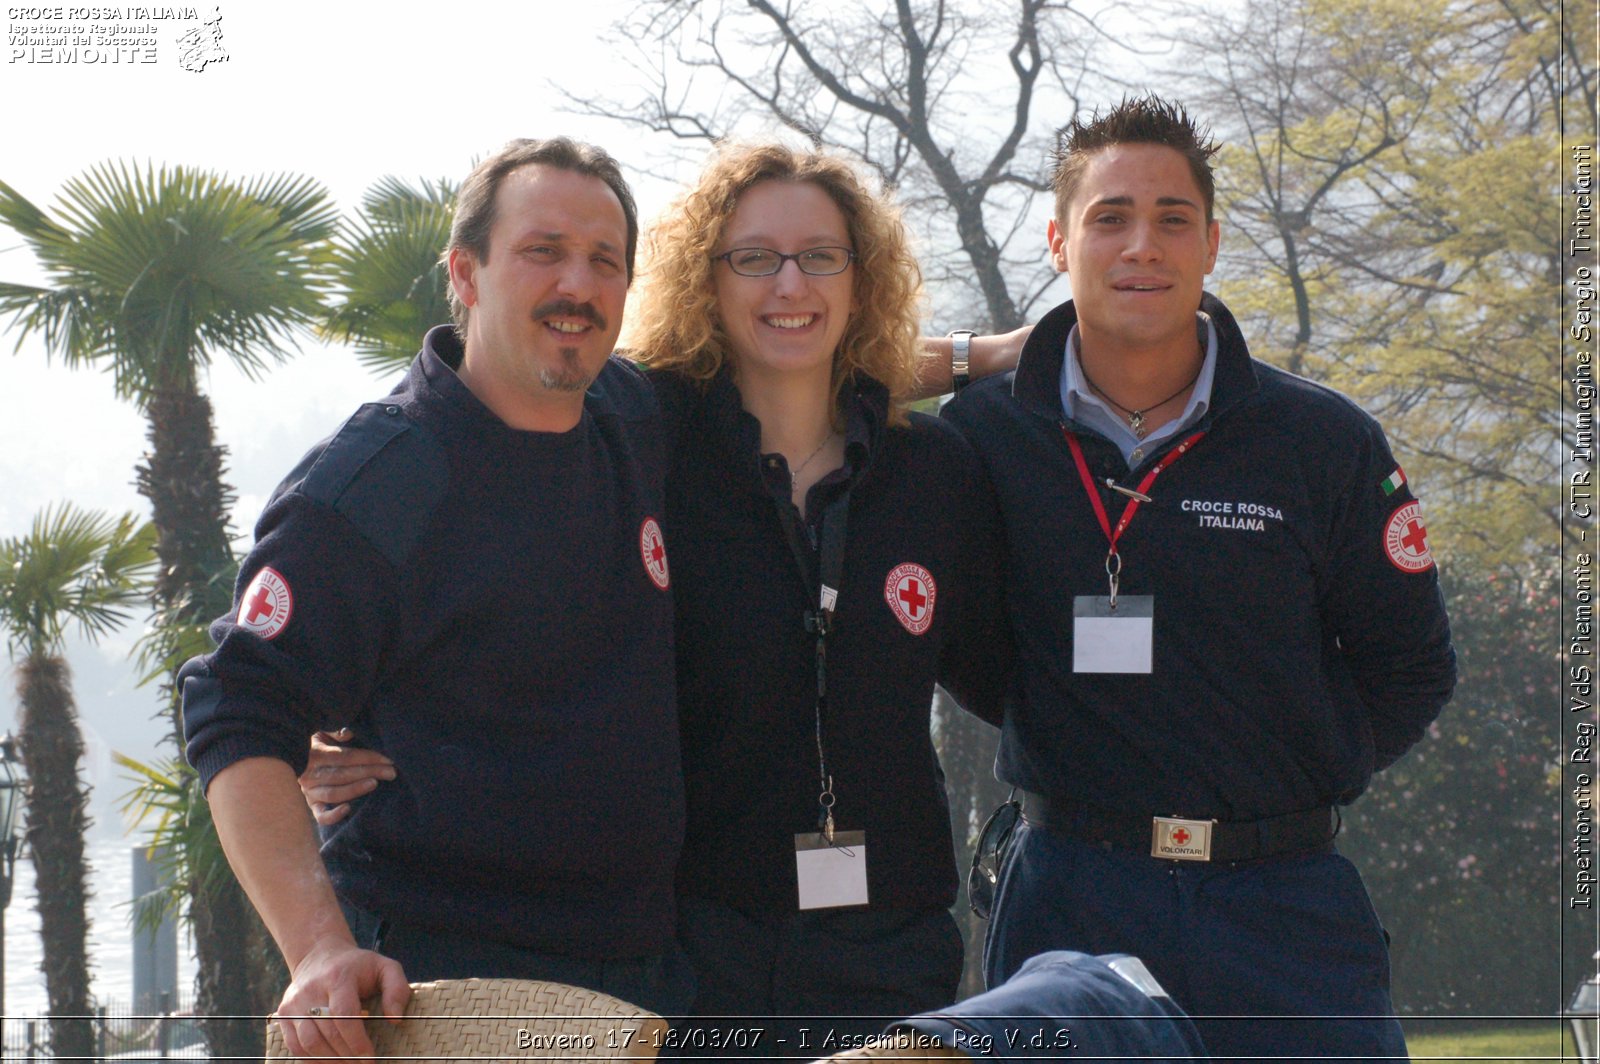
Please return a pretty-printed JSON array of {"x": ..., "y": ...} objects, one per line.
[{"x": 899, "y": 88}]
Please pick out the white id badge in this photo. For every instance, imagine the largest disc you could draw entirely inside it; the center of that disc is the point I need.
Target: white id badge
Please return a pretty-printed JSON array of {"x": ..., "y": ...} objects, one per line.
[
  {"x": 1113, "y": 640},
  {"x": 831, "y": 875}
]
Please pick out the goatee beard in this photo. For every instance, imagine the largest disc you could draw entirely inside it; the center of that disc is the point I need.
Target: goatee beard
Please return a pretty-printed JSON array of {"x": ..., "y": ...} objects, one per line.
[{"x": 568, "y": 377}]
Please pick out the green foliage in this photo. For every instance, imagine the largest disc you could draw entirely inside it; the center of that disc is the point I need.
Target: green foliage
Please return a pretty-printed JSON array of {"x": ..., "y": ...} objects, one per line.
[
  {"x": 181, "y": 630},
  {"x": 80, "y": 567},
  {"x": 1456, "y": 840},
  {"x": 167, "y": 803},
  {"x": 73, "y": 567},
  {"x": 1392, "y": 227},
  {"x": 388, "y": 262},
  {"x": 153, "y": 271}
]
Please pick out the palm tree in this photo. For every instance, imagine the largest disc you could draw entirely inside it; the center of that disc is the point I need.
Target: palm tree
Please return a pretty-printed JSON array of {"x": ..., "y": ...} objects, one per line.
[
  {"x": 77, "y": 568},
  {"x": 387, "y": 262},
  {"x": 153, "y": 274}
]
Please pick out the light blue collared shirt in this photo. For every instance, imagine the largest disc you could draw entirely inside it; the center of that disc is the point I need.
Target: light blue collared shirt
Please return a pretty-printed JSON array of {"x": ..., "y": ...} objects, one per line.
[{"x": 1083, "y": 406}]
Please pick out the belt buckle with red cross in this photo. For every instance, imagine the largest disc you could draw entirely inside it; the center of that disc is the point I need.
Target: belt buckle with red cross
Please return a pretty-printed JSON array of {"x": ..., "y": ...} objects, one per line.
[{"x": 1175, "y": 839}]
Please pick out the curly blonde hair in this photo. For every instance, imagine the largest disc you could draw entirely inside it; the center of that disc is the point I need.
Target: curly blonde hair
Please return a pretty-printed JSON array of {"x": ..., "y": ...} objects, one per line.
[{"x": 676, "y": 326}]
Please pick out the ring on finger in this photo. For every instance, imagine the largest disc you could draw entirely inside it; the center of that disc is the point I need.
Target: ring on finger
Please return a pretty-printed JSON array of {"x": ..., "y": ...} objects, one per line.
[{"x": 320, "y": 1010}]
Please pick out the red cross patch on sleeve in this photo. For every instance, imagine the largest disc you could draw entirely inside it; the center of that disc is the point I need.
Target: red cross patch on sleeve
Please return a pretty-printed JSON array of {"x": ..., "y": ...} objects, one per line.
[
  {"x": 1405, "y": 540},
  {"x": 267, "y": 604},
  {"x": 654, "y": 551}
]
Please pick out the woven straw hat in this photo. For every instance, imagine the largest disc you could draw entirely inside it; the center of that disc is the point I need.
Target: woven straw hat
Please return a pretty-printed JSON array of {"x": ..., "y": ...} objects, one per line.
[{"x": 509, "y": 1020}]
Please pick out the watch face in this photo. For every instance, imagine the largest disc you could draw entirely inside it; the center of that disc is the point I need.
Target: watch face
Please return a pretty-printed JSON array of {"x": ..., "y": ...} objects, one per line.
[{"x": 961, "y": 347}]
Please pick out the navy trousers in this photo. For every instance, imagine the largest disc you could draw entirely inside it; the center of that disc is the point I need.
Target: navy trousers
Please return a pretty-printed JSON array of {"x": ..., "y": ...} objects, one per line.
[{"x": 1279, "y": 958}]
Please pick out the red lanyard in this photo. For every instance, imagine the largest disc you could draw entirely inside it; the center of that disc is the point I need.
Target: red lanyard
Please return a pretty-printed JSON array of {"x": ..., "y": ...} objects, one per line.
[{"x": 1133, "y": 504}]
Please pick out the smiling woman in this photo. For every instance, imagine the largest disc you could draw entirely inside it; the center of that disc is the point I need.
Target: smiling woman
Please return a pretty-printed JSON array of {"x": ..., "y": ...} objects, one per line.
[
  {"x": 811, "y": 520},
  {"x": 783, "y": 324}
]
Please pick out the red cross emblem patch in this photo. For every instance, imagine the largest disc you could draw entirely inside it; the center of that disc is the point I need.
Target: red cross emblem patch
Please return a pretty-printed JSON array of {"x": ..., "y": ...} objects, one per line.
[
  {"x": 266, "y": 605},
  {"x": 654, "y": 551},
  {"x": 1405, "y": 540},
  {"x": 910, "y": 592}
]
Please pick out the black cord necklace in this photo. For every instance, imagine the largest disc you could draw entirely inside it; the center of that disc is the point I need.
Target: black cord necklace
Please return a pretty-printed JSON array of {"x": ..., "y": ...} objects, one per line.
[{"x": 1135, "y": 418}]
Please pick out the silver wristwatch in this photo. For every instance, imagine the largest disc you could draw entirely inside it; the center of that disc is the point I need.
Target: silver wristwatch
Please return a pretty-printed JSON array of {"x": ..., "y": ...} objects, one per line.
[{"x": 960, "y": 358}]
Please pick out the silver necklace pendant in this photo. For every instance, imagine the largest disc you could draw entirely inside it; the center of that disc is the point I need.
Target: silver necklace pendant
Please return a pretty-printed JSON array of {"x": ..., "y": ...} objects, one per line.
[{"x": 794, "y": 477}]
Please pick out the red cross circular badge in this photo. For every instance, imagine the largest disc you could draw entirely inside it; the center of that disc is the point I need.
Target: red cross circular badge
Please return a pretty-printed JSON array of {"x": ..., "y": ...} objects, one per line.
[
  {"x": 654, "y": 551},
  {"x": 266, "y": 605},
  {"x": 910, "y": 593},
  {"x": 1405, "y": 540}
]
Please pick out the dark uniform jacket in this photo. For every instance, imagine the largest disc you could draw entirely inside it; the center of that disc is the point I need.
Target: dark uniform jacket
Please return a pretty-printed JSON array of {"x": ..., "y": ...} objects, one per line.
[
  {"x": 491, "y": 609},
  {"x": 1300, "y": 640},
  {"x": 919, "y": 601}
]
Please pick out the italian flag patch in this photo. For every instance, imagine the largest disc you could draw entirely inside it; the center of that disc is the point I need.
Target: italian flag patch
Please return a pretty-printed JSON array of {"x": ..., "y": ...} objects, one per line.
[{"x": 1395, "y": 481}]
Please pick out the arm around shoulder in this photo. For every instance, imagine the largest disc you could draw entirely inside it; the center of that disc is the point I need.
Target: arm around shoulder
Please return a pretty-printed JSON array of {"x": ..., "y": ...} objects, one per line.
[{"x": 986, "y": 356}]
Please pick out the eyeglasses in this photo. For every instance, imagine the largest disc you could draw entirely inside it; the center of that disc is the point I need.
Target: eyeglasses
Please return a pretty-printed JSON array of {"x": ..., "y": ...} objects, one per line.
[
  {"x": 990, "y": 854},
  {"x": 764, "y": 262}
]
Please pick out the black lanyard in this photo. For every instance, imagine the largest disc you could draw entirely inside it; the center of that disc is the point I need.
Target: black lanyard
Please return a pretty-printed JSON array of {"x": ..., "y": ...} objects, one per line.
[{"x": 818, "y": 617}]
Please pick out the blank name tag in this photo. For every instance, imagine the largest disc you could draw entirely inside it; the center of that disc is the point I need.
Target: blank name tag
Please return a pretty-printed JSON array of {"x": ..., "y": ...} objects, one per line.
[
  {"x": 831, "y": 876},
  {"x": 1107, "y": 640}
]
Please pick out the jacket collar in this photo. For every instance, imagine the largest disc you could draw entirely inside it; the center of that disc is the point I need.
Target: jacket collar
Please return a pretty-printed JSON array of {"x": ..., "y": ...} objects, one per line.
[
  {"x": 1037, "y": 383},
  {"x": 866, "y": 414}
]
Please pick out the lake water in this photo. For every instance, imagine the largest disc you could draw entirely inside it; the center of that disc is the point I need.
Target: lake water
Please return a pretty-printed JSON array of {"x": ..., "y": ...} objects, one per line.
[{"x": 110, "y": 935}]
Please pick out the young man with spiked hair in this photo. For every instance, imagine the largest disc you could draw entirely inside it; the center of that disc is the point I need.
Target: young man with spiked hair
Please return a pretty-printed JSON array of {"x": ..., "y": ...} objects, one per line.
[{"x": 1227, "y": 619}]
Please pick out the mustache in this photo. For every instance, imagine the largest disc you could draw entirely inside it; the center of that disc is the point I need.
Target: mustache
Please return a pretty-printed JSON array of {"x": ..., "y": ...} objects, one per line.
[{"x": 565, "y": 308}]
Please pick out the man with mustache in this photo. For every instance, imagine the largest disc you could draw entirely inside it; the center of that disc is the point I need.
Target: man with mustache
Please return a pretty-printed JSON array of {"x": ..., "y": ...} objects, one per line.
[{"x": 471, "y": 573}]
